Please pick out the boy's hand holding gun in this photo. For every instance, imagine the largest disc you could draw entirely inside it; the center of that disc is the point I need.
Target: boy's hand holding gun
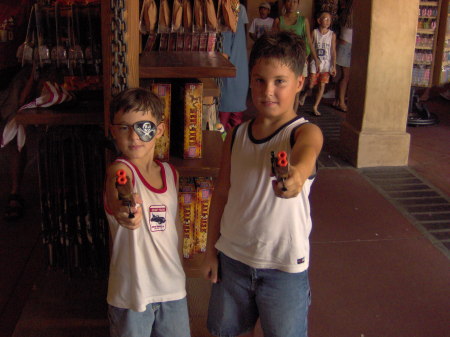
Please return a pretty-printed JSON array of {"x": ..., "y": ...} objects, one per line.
[
  {"x": 288, "y": 183},
  {"x": 129, "y": 214}
]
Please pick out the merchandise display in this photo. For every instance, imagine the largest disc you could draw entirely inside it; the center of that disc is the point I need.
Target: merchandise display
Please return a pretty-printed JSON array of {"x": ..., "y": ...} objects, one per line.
[{"x": 432, "y": 52}]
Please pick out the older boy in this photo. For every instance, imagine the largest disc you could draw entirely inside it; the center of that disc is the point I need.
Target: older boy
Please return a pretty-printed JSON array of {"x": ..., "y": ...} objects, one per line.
[{"x": 259, "y": 227}]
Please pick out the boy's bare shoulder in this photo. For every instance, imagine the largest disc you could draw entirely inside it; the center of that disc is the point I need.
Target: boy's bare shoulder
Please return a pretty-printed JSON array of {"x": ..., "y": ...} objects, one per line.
[
  {"x": 116, "y": 166},
  {"x": 309, "y": 132}
]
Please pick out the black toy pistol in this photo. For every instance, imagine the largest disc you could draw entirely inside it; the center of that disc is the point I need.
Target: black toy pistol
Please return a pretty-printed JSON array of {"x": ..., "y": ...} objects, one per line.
[
  {"x": 280, "y": 166},
  {"x": 123, "y": 185}
]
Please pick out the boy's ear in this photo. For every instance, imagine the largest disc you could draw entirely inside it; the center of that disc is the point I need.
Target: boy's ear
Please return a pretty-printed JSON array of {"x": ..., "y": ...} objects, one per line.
[
  {"x": 300, "y": 82},
  {"x": 160, "y": 130}
]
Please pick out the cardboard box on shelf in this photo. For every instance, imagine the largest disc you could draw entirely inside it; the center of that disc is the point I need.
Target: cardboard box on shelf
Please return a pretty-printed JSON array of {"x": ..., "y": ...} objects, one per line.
[
  {"x": 193, "y": 107},
  {"x": 187, "y": 207},
  {"x": 162, "y": 146},
  {"x": 204, "y": 186}
]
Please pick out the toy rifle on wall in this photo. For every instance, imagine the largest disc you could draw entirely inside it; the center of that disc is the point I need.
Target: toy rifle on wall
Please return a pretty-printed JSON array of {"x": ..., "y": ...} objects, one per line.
[
  {"x": 124, "y": 188},
  {"x": 280, "y": 166}
]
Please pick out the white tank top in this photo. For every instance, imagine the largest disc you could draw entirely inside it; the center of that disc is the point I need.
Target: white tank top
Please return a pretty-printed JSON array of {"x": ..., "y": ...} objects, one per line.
[
  {"x": 257, "y": 228},
  {"x": 346, "y": 34},
  {"x": 145, "y": 263},
  {"x": 322, "y": 44}
]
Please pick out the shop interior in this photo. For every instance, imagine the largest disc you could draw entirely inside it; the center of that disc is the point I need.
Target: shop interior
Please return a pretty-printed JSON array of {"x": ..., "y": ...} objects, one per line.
[{"x": 80, "y": 54}]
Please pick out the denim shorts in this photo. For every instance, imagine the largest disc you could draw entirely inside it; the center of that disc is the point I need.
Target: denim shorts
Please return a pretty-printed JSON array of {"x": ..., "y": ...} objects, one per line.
[
  {"x": 158, "y": 320},
  {"x": 281, "y": 301},
  {"x": 344, "y": 54}
]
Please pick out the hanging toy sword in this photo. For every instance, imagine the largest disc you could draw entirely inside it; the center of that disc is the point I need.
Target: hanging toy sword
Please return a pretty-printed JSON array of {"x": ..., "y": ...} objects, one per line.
[
  {"x": 123, "y": 185},
  {"x": 280, "y": 166}
]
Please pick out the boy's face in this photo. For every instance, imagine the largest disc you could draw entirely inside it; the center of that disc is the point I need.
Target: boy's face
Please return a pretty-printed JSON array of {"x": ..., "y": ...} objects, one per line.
[
  {"x": 263, "y": 12},
  {"x": 134, "y": 138},
  {"x": 324, "y": 20},
  {"x": 274, "y": 86}
]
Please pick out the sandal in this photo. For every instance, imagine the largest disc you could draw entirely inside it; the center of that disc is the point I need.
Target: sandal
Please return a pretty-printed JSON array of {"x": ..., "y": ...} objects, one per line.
[{"x": 15, "y": 208}]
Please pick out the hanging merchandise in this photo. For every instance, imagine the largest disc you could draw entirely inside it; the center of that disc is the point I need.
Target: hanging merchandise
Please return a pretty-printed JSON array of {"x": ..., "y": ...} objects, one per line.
[
  {"x": 25, "y": 51},
  {"x": 71, "y": 173},
  {"x": 58, "y": 53},
  {"x": 230, "y": 13},
  {"x": 199, "y": 20},
  {"x": 93, "y": 55},
  {"x": 211, "y": 18},
  {"x": 164, "y": 17},
  {"x": 51, "y": 94},
  {"x": 177, "y": 15},
  {"x": 187, "y": 15},
  {"x": 149, "y": 15},
  {"x": 79, "y": 50},
  {"x": 43, "y": 50}
]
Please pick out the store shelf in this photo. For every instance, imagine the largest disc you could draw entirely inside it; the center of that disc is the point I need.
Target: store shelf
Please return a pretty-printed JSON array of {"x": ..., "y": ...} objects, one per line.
[
  {"x": 192, "y": 266},
  {"x": 162, "y": 64},
  {"x": 425, "y": 31},
  {"x": 428, "y": 3},
  {"x": 81, "y": 114},
  {"x": 208, "y": 166}
]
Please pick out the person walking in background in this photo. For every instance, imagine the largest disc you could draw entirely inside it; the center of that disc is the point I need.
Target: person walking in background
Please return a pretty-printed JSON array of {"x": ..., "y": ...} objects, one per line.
[
  {"x": 324, "y": 41},
  {"x": 293, "y": 21},
  {"x": 233, "y": 92},
  {"x": 262, "y": 24},
  {"x": 344, "y": 52},
  {"x": 147, "y": 284},
  {"x": 257, "y": 253},
  {"x": 330, "y": 6}
]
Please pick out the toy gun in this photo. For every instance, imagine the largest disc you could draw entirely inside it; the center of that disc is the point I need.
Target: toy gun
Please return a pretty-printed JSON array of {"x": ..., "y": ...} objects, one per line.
[
  {"x": 280, "y": 166},
  {"x": 124, "y": 188}
]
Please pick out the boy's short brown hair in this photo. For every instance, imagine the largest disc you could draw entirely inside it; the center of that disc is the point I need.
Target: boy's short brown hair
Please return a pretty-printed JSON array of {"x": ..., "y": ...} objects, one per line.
[
  {"x": 137, "y": 99},
  {"x": 287, "y": 47}
]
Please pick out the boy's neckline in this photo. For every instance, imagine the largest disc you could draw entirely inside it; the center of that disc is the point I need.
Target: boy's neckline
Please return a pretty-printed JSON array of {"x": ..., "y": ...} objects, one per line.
[
  {"x": 145, "y": 181},
  {"x": 320, "y": 30},
  {"x": 274, "y": 133}
]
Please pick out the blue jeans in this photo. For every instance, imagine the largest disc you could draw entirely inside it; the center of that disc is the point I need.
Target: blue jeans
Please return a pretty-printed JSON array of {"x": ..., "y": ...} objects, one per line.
[
  {"x": 281, "y": 301},
  {"x": 158, "y": 320}
]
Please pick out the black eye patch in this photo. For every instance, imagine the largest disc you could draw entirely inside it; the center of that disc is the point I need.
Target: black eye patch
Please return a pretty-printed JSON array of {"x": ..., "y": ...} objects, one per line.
[{"x": 146, "y": 130}]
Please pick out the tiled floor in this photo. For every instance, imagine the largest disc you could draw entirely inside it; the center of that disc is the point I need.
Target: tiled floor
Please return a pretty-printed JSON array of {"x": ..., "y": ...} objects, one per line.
[{"x": 373, "y": 272}]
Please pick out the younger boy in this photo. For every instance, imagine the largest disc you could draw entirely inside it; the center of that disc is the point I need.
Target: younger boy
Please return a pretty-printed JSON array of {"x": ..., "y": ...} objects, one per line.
[
  {"x": 324, "y": 42},
  {"x": 146, "y": 289},
  {"x": 262, "y": 24},
  {"x": 258, "y": 248}
]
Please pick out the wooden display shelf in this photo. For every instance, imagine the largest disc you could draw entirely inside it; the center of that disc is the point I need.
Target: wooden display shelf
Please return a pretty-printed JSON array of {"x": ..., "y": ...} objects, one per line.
[
  {"x": 76, "y": 115},
  {"x": 208, "y": 166},
  {"x": 425, "y": 31},
  {"x": 210, "y": 87},
  {"x": 180, "y": 64},
  {"x": 192, "y": 266}
]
